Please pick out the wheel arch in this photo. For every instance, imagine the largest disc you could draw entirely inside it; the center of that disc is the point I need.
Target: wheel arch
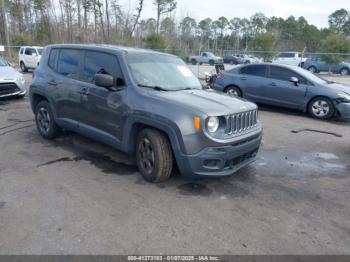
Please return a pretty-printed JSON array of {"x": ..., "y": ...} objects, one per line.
[{"x": 236, "y": 86}]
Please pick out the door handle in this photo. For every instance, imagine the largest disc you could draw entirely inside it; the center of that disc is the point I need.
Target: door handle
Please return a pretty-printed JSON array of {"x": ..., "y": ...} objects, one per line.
[
  {"x": 52, "y": 83},
  {"x": 84, "y": 91}
]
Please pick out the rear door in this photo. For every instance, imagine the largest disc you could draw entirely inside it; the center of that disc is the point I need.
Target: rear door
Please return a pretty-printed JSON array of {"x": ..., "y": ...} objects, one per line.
[
  {"x": 252, "y": 80},
  {"x": 104, "y": 109},
  {"x": 65, "y": 85},
  {"x": 30, "y": 57},
  {"x": 281, "y": 91}
]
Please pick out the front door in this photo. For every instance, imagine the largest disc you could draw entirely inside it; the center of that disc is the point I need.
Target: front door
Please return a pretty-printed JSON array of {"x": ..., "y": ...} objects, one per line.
[
  {"x": 104, "y": 110},
  {"x": 281, "y": 91}
]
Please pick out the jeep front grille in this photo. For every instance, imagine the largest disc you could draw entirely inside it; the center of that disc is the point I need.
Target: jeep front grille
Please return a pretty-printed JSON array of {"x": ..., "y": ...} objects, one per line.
[{"x": 241, "y": 122}]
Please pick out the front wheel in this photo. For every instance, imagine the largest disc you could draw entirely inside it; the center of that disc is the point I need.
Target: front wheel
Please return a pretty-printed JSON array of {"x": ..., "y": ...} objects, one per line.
[
  {"x": 23, "y": 67},
  {"x": 45, "y": 121},
  {"x": 321, "y": 108},
  {"x": 233, "y": 91},
  {"x": 154, "y": 156},
  {"x": 312, "y": 69},
  {"x": 344, "y": 71}
]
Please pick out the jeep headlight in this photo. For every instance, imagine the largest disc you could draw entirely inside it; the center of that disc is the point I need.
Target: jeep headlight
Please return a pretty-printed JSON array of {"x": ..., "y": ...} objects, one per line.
[
  {"x": 212, "y": 124},
  {"x": 344, "y": 97}
]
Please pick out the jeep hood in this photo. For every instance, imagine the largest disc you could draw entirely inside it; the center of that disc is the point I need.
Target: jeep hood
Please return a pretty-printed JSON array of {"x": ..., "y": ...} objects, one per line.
[{"x": 209, "y": 102}]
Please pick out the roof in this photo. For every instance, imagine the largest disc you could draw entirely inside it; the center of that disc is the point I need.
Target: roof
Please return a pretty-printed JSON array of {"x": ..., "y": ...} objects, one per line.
[{"x": 110, "y": 47}]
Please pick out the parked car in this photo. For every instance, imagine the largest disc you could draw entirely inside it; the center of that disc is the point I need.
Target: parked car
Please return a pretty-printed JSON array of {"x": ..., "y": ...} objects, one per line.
[
  {"x": 316, "y": 65},
  {"x": 11, "y": 81},
  {"x": 29, "y": 57},
  {"x": 287, "y": 86},
  {"x": 147, "y": 103},
  {"x": 290, "y": 58},
  {"x": 231, "y": 59},
  {"x": 247, "y": 59},
  {"x": 205, "y": 58}
]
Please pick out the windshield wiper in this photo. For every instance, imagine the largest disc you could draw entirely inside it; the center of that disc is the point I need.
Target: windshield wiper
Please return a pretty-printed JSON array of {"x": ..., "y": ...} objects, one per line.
[{"x": 158, "y": 88}]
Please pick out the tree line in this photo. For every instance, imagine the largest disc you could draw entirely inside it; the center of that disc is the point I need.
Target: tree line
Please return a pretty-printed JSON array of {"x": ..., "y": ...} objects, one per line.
[{"x": 41, "y": 22}]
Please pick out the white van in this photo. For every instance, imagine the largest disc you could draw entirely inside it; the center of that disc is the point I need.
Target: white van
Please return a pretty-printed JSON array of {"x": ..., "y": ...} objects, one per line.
[
  {"x": 290, "y": 58},
  {"x": 29, "y": 57}
]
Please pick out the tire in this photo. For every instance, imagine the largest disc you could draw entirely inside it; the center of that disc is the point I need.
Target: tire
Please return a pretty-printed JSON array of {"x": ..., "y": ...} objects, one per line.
[
  {"x": 24, "y": 69},
  {"x": 321, "y": 108},
  {"x": 45, "y": 121},
  {"x": 344, "y": 71},
  {"x": 231, "y": 62},
  {"x": 211, "y": 62},
  {"x": 233, "y": 91},
  {"x": 312, "y": 69},
  {"x": 200, "y": 63},
  {"x": 193, "y": 61},
  {"x": 154, "y": 156},
  {"x": 247, "y": 62}
]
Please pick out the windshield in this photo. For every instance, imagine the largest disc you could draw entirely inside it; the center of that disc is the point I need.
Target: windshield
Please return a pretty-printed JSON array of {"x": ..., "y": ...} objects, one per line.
[
  {"x": 3, "y": 62},
  {"x": 310, "y": 76},
  {"x": 161, "y": 72},
  {"x": 40, "y": 51}
]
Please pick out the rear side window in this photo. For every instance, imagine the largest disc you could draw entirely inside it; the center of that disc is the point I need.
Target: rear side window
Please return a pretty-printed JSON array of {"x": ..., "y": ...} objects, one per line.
[
  {"x": 21, "y": 51},
  {"x": 53, "y": 58},
  {"x": 285, "y": 74},
  {"x": 68, "y": 63},
  {"x": 255, "y": 70},
  {"x": 30, "y": 51},
  {"x": 98, "y": 62}
]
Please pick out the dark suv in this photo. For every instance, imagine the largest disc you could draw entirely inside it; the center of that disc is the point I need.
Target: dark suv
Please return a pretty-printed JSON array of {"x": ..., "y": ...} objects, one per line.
[{"x": 147, "y": 103}]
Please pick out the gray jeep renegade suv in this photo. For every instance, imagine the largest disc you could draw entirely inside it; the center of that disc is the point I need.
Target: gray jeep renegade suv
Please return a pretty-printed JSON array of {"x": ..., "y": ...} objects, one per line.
[{"x": 147, "y": 103}]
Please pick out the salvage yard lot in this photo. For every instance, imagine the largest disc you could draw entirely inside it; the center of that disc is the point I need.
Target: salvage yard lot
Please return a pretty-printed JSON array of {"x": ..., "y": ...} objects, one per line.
[{"x": 76, "y": 196}]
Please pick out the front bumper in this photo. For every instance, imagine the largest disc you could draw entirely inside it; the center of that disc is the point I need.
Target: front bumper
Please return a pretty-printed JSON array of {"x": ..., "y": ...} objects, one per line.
[
  {"x": 12, "y": 88},
  {"x": 344, "y": 111},
  {"x": 220, "y": 161}
]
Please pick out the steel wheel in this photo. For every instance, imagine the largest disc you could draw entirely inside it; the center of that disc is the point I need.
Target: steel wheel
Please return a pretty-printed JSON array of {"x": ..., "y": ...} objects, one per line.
[
  {"x": 320, "y": 108},
  {"x": 233, "y": 91},
  {"x": 44, "y": 120},
  {"x": 146, "y": 155}
]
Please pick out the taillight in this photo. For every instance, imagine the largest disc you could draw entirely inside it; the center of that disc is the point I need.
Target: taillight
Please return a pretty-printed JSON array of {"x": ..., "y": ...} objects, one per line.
[
  {"x": 219, "y": 75},
  {"x": 33, "y": 74}
]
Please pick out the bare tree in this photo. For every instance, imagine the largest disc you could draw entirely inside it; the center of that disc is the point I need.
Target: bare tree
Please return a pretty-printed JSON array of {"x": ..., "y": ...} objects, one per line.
[
  {"x": 137, "y": 16},
  {"x": 163, "y": 7}
]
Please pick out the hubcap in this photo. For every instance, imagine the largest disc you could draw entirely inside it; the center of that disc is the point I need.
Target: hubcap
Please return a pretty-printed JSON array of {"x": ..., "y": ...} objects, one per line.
[
  {"x": 43, "y": 119},
  {"x": 146, "y": 155},
  {"x": 312, "y": 70},
  {"x": 344, "y": 72},
  {"x": 232, "y": 92},
  {"x": 320, "y": 108}
]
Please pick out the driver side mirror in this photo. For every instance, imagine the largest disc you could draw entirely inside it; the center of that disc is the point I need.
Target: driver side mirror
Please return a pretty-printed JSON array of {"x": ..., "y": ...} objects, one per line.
[
  {"x": 294, "y": 80},
  {"x": 108, "y": 81}
]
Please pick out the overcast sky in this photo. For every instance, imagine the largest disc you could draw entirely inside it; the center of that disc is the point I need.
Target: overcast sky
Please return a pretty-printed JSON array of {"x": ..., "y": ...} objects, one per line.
[{"x": 316, "y": 12}]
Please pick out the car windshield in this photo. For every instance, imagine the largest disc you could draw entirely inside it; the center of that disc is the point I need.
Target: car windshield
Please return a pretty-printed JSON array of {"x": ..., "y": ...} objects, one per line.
[
  {"x": 161, "y": 72},
  {"x": 40, "y": 51},
  {"x": 3, "y": 62},
  {"x": 312, "y": 77}
]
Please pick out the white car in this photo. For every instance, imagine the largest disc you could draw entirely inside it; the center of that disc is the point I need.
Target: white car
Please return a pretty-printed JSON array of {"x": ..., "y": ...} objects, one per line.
[
  {"x": 205, "y": 58},
  {"x": 290, "y": 58},
  {"x": 29, "y": 57},
  {"x": 11, "y": 81}
]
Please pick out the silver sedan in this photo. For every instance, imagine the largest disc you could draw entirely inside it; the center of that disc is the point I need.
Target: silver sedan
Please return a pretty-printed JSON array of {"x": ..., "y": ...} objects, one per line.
[{"x": 11, "y": 81}]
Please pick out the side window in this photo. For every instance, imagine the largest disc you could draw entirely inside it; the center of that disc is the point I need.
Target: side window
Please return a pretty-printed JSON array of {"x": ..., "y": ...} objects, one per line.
[
  {"x": 68, "y": 63},
  {"x": 285, "y": 74},
  {"x": 255, "y": 70},
  {"x": 30, "y": 51},
  {"x": 98, "y": 62},
  {"x": 53, "y": 58},
  {"x": 205, "y": 54}
]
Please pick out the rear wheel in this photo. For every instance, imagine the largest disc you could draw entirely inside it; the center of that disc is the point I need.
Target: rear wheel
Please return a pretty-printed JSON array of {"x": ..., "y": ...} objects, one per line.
[
  {"x": 45, "y": 121},
  {"x": 211, "y": 62},
  {"x": 23, "y": 67},
  {"x": 233, "y": 91},
  {"x": 321, "y": 108},
  {"x": 193, "y": 61},
  {"x": 312, "y": 69},
  {"x": 154, "y": 156},
  {"x": 344, "y": 71}
]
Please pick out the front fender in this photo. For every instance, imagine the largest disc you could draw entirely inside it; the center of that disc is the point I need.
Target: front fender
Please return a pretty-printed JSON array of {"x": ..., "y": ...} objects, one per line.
[{"x": 132, "y": 127}]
